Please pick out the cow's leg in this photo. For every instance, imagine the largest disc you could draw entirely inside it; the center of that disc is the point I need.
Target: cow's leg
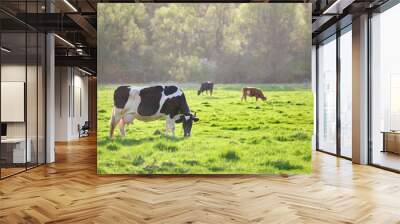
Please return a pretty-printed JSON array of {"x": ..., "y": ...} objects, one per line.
[
  {"x": 166, "y": 127},
  {"x": 122, "y": 127},
  {"x": 256, "y": 98},
  {"x": 244, "y": 97},
  {"x": 127, "y": 119},
  {"x": 115, "y": 117},
  {"x": 170, "y": 126},
  {"x": 211, "y": 92}
]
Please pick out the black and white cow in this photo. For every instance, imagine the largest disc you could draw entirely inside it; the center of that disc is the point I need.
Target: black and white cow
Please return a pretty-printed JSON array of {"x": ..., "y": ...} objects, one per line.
[
  {"x": 149, "y": 104},
  {"x": 207, "y": 87}
]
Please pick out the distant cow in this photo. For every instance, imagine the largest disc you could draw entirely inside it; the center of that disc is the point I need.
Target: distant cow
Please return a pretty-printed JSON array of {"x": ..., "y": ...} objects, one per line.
[
  {"x": 251, "y": 91},
  {"x": 207, "y": 87},
  {"x": 151, "y": 103}
]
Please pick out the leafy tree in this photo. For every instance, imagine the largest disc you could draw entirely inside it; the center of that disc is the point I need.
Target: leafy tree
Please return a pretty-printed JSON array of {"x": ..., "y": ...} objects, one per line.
[{"x": 227, "y": 43}]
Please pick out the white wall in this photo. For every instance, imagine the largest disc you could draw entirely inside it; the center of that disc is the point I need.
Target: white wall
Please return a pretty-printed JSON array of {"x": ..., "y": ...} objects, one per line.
[
  {"x": 71, "y": 87},
  {"x": 80, "y": 94},
  {"x": 12, "y": 73},
  {"x": 33, "y": 126},
  {"x": 62, "y": 81}
]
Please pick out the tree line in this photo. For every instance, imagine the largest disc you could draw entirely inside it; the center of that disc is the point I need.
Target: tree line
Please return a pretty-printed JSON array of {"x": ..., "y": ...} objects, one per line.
[{"x": 224, "y": 43}]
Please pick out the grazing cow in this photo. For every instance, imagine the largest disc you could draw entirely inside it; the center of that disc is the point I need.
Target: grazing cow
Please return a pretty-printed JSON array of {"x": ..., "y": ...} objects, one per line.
[
  {"x": 206, "y": 86},
  {"x": 151, "y": 103},
  {"x": 251, "y": 91}
]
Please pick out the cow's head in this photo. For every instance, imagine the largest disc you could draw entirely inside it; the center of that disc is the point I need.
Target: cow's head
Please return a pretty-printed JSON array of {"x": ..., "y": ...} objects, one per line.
[
  {"x": 187, "y": 122},
  {"x": 261, "y": 95},
  {"x": 198, "y": 92}
]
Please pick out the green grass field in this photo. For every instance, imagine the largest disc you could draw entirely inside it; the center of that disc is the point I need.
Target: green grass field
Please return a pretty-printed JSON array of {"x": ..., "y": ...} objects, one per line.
[{"x": 232, "y": 137}]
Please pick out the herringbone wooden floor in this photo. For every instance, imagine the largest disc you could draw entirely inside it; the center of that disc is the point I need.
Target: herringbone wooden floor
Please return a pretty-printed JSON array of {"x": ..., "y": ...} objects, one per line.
[{"x": 70, "y": 191}]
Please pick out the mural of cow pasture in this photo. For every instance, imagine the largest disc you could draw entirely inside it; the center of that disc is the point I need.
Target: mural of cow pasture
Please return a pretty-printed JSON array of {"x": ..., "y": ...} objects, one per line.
[{"x": 204, "y": 88}]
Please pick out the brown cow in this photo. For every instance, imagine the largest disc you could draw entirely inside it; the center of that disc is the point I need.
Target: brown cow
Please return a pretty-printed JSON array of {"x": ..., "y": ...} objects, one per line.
[{"x": 251, "y": 91}]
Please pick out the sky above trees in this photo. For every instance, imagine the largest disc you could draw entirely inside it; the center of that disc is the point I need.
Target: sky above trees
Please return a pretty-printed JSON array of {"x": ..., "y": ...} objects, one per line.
[{"x": 223, "y": 43}]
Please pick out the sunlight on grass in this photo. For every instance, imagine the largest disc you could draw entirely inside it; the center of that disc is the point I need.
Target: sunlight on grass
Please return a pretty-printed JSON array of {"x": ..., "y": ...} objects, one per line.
[{"x": 231, "y": 137}]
